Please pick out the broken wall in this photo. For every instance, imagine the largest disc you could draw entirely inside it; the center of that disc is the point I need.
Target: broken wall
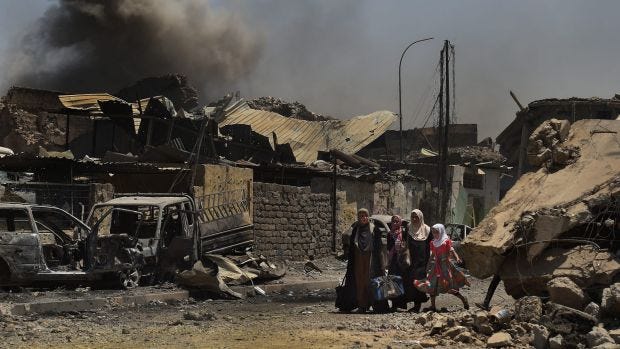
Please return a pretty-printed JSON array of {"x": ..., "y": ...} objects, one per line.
[
  {"x": 225, "y": 195},
  {"x": 387, "y": 146},
  {"x": 291, "y": 222},
  {"x": 383, "y": 197},
  {"x": 475, "y": 191},
  {"x": 579, "y": 201}
]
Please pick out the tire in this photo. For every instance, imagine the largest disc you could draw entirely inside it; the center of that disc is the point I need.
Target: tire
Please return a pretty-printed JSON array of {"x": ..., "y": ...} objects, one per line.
[{"x": 129, "y": 279}]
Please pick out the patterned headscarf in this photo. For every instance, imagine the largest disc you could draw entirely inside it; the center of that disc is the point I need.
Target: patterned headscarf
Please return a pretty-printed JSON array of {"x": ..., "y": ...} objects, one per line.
[
  {"x": 443, "y": 236},
  {"x": 397, "y": 224},
  {"x": 396, "y": 231}
]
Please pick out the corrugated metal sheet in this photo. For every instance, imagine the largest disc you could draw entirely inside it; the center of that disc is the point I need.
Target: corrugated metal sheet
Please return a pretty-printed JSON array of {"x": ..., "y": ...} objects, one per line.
[
  {"x": 85, "y": 102},
  {"x": 308, "y": 137},
  {"x": 88, "y": 102}
]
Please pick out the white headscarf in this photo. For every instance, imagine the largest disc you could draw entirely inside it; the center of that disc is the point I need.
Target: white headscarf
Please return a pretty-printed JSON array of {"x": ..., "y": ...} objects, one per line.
[
  {"x": 419, "y": 232},
  {"x": 443, "y": 237}
]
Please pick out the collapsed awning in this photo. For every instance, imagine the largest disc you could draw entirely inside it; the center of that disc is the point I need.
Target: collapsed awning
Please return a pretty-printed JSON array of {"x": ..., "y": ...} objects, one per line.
[{"x": 307, "y": 138}]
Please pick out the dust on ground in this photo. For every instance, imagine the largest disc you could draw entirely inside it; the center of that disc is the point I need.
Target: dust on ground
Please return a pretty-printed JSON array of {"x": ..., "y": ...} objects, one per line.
[{"x": 286, "y": 320}]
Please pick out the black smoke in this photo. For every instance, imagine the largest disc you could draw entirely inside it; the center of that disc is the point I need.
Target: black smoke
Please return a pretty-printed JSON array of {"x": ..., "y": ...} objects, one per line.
[{"x": 104, "y": 45}]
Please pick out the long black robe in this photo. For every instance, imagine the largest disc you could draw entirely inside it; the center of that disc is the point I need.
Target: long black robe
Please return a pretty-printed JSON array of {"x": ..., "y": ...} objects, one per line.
[{"x": 420, "y": 253}]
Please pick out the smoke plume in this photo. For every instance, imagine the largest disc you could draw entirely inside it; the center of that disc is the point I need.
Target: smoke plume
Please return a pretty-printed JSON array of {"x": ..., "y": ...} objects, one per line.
[{"x": 94, "y": 45}]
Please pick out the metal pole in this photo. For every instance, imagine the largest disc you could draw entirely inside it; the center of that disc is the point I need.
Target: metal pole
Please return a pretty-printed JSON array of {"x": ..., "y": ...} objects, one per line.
[
  {"x": 400, "y": 106},
  {"x": 439, "y": 136},
  {"x": 446, "y": 137},
  {"x": 334, "y": 201}
]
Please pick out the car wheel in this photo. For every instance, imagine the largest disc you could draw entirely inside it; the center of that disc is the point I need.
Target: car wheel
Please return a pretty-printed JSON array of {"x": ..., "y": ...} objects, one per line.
[{"x": 129, "y": 279}]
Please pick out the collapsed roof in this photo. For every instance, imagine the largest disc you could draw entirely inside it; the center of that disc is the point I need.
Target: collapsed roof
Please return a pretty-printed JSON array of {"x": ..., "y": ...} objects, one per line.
[
  {"x": 307, "y": 138},
  {"x": 80, "y": 122}
]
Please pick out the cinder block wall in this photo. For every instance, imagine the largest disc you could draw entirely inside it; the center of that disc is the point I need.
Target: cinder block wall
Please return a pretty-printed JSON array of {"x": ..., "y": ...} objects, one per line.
[{"x": 291, "y": 222}]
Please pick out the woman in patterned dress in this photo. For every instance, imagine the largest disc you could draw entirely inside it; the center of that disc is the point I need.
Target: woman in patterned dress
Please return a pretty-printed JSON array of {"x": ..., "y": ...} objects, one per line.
[{"x": 442, "y": 275}]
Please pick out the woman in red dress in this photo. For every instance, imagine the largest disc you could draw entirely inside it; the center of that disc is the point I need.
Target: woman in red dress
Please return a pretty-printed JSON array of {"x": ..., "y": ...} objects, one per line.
[{"x": 442, "y": 276}]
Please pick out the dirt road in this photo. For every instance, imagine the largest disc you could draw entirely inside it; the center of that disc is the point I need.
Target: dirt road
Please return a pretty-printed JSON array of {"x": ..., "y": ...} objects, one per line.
[{"x": 278, "y": 321}]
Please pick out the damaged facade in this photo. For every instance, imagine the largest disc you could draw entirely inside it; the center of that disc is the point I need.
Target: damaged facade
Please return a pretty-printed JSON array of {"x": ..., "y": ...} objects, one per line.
[
  {"x": 244, "y": 169},
  {"x": 513, "y": 140},
  {"x": 559, "y": 220}
]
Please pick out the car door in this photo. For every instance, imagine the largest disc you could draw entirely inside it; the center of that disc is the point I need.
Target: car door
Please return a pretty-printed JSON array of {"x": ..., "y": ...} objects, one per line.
[
  {"x": 176, "y": 239},
  {"x": 19, "y": 242}
]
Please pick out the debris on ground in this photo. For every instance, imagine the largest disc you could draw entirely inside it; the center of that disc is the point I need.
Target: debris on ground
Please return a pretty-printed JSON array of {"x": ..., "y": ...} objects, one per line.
[
  {"x": 554, "y": 235},
  {"x": 215, "y": 273}
]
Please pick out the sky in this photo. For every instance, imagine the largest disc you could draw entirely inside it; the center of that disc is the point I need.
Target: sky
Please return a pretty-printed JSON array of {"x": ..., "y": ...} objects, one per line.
[{"x": 340, "y": 58}]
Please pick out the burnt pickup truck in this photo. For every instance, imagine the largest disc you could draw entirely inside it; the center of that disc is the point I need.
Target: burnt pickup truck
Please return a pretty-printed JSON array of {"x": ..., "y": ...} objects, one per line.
[
  {"x": 162, "y": 229},
  {"x": 131, "y": 239},
  {"x": 42, "y": 245}
]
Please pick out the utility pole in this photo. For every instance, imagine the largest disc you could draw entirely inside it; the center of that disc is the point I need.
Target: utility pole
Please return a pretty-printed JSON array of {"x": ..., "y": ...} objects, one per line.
[
  {"x": 443, "y": 134},
  {"x": 446, "y": 137},
  {"x": 439, "y": 135}
]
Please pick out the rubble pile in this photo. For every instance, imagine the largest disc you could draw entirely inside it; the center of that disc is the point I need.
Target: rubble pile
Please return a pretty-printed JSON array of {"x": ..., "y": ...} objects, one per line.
[
  {"x": 293, "y": 110},
  {"x": 559, "y": 222},
  {"x": 546, "y": 145},
  {"x": 23, "y": 131},
  {"x": 175, "y": 87},
  {"x": 477, "y": 154},
  {"x": 530, "y": 323}
]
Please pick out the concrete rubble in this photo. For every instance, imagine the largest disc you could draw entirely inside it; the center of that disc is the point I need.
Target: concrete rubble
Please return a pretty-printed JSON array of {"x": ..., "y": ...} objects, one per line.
[
  {"x": 531, "y": 324},
  {"x": 554, "y": 235},
  {"x": 293, "y": 110},
  {"x": 574, "y": 201}
]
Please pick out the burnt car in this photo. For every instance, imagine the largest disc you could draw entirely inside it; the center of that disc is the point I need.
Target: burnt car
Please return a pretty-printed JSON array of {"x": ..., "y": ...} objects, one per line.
[
  {"x": 42, "y": 245},
  {"x": 160, "y": 229}
]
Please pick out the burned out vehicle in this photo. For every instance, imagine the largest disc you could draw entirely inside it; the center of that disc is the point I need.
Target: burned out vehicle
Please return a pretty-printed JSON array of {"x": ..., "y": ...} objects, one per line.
[
  {"x": 159, "y": 230},
  {"x": 42, "y": 245}
]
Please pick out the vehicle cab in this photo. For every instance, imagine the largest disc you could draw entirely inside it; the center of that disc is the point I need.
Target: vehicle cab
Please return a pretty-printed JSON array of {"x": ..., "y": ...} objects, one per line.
[{"x": 161, "y": 228}]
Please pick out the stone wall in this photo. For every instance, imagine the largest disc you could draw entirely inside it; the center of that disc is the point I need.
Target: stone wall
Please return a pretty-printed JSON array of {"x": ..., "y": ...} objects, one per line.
[
  {"x": 388, "y": 197},
  {"x": 291, "y": 222},
  {"x": 394, "y": 197}
]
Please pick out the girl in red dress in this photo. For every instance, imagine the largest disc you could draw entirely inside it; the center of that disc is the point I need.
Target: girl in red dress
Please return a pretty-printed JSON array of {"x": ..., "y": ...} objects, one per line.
[{"x": 442, "y": 276}]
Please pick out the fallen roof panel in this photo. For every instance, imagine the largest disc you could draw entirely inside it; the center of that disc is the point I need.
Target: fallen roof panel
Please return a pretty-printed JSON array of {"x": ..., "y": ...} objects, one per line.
[
  {"x": 86, "y": 101},
  {"x": 307, "y": 138}
]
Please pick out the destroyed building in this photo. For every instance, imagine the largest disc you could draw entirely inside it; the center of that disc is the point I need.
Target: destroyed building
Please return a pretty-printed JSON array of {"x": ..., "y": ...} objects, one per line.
[
  {"x": 245, "y": 168},
  {"x": 474, "y": 170},
  {"x": 387, "y": 146},
  {"x": 561, "y": 218},
  {"x": 513, "y": 140}
]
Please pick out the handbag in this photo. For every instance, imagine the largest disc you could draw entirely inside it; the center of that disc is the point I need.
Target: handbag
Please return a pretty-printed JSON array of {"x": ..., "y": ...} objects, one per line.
[
  {"x": 404, "y": 258},
  {"x": 346, "y": 298},
  {"x": 387, "y": 287}
]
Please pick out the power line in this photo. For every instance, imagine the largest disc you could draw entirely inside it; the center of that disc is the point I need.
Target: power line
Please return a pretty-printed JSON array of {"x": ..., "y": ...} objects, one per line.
[{"x": 427, "y": 93}]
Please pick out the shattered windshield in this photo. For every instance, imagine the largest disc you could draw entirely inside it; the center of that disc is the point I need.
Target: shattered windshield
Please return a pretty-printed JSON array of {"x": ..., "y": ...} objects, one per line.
[
  {"x": 123, "y": 222},
  {"x": 62, "y": 225},
  {"x": 15, "y": 220}
]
